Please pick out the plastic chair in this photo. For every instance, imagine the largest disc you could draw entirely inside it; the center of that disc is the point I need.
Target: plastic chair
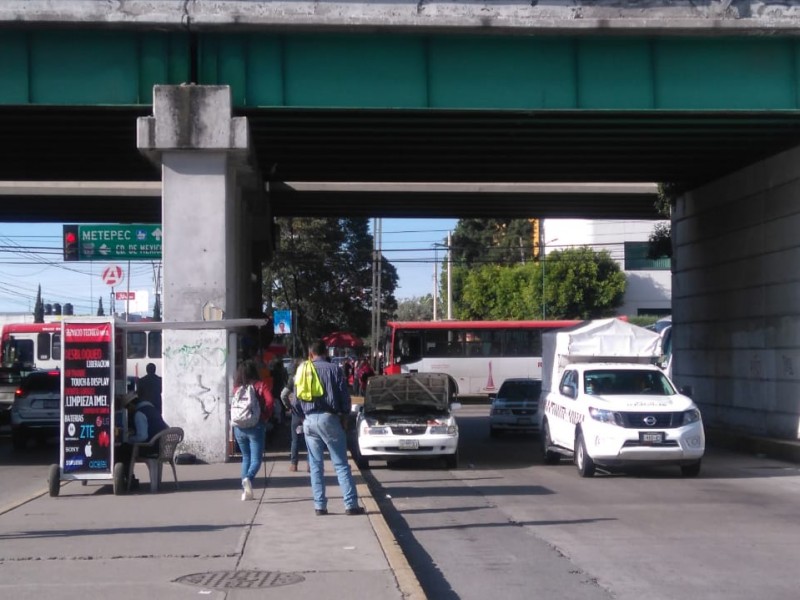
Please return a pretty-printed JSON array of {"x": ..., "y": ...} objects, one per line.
[{"x": 167, "y": 442}]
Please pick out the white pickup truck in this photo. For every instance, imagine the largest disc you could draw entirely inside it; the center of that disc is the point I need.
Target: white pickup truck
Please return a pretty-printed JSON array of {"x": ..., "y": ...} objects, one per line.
[{"x": 605, "y": 404}]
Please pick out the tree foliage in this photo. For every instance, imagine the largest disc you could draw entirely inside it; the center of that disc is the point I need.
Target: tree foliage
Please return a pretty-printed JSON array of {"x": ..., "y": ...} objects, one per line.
[
  {"x": 577, "y": 284},
  {"x": 582, "y": 283},
  {"x": 100, "y": 310},
  {"x": 501, "y": 241},
  {"x": 415, "y": 309},
  {"x": 38, "y": 308},
  {"x": 322, "y": 271}
]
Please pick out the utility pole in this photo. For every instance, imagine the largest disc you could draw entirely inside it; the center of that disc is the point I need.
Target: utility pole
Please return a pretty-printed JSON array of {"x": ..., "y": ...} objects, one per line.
[
  {"x": 376, "y": 291},
  {"x": 449, "y": 272}
]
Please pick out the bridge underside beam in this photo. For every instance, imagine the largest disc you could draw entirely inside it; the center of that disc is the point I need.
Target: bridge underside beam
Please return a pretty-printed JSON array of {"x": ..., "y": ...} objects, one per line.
[{"x": 140, "y": 202}]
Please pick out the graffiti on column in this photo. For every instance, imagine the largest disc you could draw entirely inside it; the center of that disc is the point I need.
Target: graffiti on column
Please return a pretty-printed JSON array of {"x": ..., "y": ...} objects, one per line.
[{"x": 193, "y": 360}]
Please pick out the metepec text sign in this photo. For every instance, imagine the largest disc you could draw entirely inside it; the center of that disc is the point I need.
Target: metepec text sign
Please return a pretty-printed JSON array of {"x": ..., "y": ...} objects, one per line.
[{"x": 119, "y": 242}]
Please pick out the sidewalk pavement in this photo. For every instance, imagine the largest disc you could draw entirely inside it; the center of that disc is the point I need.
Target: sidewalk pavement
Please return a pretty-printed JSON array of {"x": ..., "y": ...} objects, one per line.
[{"x": 201, "y": 540}]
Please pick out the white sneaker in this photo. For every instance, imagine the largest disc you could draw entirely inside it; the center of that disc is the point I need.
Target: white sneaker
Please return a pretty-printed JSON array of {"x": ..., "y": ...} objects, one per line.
[{"x": 247, "y": 494}]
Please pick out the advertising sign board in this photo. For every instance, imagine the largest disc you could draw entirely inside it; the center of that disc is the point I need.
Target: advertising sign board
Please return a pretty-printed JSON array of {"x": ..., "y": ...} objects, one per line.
[{"x": 87, "y": 429}]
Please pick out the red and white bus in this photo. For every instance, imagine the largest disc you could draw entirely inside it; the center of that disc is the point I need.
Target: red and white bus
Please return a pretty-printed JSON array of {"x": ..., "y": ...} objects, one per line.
[
  {"x": 478, "y": 355},
  {"x": 38, "y": 346}
]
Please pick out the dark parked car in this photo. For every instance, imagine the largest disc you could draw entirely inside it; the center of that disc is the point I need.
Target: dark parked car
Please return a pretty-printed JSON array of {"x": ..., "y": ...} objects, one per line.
[
  {"x": 516, "y": 406},
  {"x": 36, "y": 411}
]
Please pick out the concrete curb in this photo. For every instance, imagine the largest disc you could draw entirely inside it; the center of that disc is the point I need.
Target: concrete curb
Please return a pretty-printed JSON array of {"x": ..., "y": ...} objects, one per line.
[{"x": 406, "y": 579}]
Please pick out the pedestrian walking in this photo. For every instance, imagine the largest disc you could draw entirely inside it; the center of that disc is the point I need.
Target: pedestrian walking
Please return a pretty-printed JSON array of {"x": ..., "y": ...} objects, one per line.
[
  {"x": 250, "y": 430},
  {"x": 322, "y": 395}
]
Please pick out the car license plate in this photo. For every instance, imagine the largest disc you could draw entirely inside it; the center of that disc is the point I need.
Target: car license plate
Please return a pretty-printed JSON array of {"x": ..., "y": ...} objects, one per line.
[
  {"x": 51, "y": 404},
  {"x": 651, "y": 437},
  {"x": 523, "y": 421},
  {"x": 408, "y": 444}
]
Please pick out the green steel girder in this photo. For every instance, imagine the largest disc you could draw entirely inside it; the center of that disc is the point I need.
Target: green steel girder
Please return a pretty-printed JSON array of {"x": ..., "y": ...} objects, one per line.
[{"x": 370, "y": 71}]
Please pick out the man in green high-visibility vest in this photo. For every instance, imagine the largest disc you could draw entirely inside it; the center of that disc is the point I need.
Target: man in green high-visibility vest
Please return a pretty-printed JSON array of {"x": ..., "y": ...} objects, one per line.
[{"x": 322, "y": 395}]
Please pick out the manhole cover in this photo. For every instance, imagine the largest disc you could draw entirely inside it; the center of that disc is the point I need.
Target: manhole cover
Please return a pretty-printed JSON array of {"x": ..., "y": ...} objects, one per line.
[{"x": 241, "y": 579}]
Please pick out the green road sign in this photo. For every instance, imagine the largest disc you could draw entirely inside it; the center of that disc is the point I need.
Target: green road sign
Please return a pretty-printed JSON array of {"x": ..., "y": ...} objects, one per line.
[{"x": 113, "y": 242}]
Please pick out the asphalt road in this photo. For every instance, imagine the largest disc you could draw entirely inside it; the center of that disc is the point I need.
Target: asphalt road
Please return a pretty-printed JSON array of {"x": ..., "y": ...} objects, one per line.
[
  {"x": 506, "y": 525},
  {"x": 23, "y": 474}
]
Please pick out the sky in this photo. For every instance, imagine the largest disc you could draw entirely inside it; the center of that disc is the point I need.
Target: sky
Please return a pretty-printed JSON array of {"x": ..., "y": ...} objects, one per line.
[{"x": 32, "y": 255}]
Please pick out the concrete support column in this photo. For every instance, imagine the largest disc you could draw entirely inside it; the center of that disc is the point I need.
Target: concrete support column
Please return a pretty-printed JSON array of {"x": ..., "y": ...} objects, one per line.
[
  {"x": 203, "y": 153},
  {"x": 736, "y": 292}
]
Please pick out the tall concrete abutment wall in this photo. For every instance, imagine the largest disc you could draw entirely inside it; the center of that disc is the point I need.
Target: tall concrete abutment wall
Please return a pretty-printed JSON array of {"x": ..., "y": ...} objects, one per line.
[{"x": 736, "y": 297}]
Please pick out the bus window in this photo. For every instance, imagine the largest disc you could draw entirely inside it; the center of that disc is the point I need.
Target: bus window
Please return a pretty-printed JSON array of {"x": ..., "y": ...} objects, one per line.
[
  {"x": 154, "y": 344},
  {"x": 56, "y": 346},
  {"x": 23, "y": 352},
  {"x": 408, "y": 347},
  {"x": 43, "y": 346},
  {"x": 435, "y": 343},
  {"x": 137, "y": 344},
  {"x": 523, "y": 342}
]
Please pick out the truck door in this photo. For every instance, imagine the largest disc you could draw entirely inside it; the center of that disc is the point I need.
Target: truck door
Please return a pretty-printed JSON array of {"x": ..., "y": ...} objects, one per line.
[{"x": 561, "y": 404}]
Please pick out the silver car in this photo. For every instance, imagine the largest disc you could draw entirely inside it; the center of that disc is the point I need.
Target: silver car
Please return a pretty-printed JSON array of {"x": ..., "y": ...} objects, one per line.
[
  {"x": 36, "y": 411},
  {"x": 516, "y": 406}
]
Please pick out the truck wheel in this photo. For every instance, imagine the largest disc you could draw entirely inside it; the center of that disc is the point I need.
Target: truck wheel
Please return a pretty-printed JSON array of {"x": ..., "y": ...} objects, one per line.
[
  {"x": 54, "y": 480},
  {"x": 583, "y": 461},
  {"x": 692, "y": 470},
  {"x": 550, "y": 457},
  {"x": 119, "y": 479}
]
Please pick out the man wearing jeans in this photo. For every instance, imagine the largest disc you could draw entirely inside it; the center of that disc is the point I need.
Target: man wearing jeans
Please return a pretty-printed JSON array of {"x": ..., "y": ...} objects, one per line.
[{"x": 323, "y": 426}]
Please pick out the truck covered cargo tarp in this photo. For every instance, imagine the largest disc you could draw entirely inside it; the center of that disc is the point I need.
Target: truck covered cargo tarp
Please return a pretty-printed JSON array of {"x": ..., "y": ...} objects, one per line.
[{"x": 604, "y": 340}]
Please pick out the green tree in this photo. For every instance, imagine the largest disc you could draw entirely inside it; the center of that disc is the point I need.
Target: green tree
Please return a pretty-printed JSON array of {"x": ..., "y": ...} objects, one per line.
[
  {"x": 480, "y": 241},
  {"x": 415, "y": 309},
  {"x": 322, "y": 271},
  {"x": 38, "y": 308},
  {"x": 661, "y": 237},
  {"x": 100, "y": 310},
  {"x": 581, "y": 283},
  {"x": 577, "y": 284}
]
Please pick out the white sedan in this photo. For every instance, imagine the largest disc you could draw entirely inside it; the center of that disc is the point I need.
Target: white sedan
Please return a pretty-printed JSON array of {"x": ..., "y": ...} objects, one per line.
[{"x": 408, "y": 416}]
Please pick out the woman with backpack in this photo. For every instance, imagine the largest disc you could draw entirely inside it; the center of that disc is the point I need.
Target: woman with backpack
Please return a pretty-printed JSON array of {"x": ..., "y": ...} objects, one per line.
[{"x": 251, "y": 409}]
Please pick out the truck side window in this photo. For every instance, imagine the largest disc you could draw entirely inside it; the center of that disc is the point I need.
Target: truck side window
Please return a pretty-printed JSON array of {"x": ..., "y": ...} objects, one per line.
[{"x": 568, "y": 380}]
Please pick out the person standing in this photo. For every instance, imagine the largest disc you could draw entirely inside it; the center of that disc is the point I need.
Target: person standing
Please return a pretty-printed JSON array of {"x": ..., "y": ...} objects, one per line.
[
  {"x": 322, "y": 395},
  {"x": 364, "y": 373},
  {"x": 290, "y": 403},
  {"x": 251, "y": 440},
  {"x": 149, "y": 387}
]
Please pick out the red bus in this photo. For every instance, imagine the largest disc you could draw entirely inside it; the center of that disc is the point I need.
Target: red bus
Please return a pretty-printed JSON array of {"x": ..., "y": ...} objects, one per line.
[
  {"x": 478, "y": 355},
  {"x": 38, "y": 346}
]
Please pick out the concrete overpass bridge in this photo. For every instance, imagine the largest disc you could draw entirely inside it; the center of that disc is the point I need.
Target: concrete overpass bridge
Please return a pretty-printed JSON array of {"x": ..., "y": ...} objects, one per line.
[{"x": 216, "y": 117}]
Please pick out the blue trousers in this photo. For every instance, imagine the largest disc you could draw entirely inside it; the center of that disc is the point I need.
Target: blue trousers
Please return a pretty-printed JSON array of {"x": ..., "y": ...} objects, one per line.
[
  {"x": 251, "y": 443},
  {"x": 325, "y": 431}
]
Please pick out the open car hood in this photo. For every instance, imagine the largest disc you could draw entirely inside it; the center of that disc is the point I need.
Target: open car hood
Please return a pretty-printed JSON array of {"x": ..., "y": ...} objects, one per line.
[{"x": 432, "y": 391}]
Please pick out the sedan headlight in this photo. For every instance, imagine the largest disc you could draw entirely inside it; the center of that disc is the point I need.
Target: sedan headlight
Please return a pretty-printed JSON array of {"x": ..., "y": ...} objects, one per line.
[
  {"x": 377, "y": 430},
  {"x": 444, "y": 429},
  {"x": 604, "y": 416},
  {"x": 691, "y": 416}
]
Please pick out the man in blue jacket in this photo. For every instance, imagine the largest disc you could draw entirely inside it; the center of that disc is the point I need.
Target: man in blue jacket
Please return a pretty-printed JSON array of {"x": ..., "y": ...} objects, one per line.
[{"x": 324, "y": 422}]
